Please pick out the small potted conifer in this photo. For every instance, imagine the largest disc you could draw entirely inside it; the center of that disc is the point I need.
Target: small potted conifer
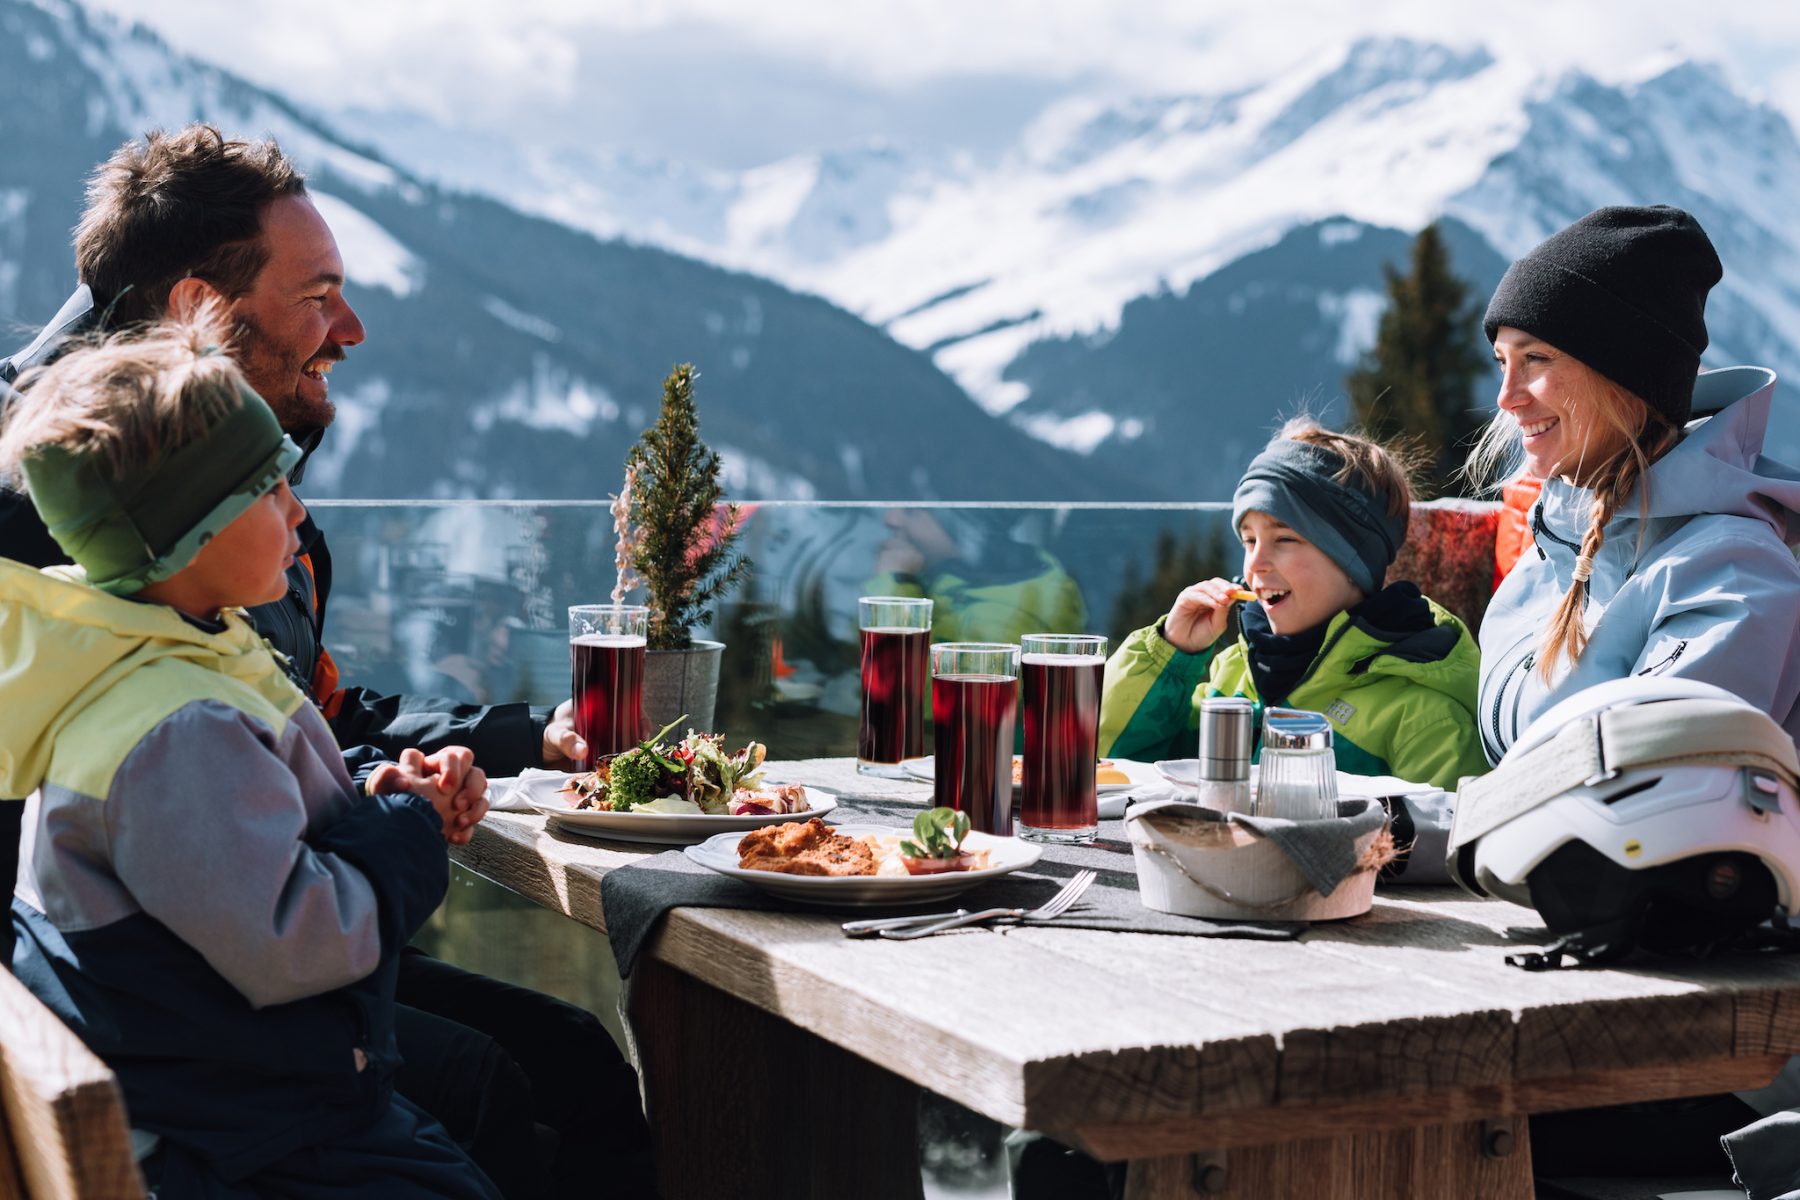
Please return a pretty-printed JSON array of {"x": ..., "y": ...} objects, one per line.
[{"x": 676, "y": 543}]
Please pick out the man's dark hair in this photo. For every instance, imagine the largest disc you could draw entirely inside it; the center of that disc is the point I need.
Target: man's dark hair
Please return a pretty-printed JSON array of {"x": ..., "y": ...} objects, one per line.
[{"x": 175, "y": 205}]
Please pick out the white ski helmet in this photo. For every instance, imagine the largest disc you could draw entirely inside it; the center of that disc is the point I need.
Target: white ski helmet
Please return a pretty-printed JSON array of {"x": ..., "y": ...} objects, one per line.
[{"x": 1648, "y": 812}]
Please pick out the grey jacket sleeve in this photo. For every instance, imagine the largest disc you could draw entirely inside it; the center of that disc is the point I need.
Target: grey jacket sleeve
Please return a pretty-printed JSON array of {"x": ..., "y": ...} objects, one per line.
[
  {"x": 208, "y": 827},
  {"x": 1729, "y": 614}
]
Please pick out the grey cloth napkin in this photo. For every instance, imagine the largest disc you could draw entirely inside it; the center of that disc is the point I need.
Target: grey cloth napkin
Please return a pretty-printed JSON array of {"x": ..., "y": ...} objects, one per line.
[
  {"x": 635, "y": 897},
  {"x": 1323, "y": 851},
  {"x": 1765, "y": 1157}
]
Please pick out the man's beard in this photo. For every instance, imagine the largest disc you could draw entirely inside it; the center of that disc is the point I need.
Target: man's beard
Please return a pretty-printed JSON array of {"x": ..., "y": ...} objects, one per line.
[{"x": 276, "y": 379}]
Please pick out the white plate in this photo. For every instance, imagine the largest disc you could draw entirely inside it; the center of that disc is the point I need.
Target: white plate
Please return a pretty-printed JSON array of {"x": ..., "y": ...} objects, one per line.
[
  {"x": 1007, "y": 854},
  {"x": 669, "y": 829},
  {"x": 1185, "y": 772},
  {"x": 1111, "y": 795}
]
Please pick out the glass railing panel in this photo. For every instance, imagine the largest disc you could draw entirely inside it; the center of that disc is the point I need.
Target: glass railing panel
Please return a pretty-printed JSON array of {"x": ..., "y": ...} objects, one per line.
[{"x": 467, "y": 599}]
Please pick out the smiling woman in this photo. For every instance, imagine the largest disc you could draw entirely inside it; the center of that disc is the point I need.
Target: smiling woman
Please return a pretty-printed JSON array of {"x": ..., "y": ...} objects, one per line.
[{"x": 1662, "y": 535}]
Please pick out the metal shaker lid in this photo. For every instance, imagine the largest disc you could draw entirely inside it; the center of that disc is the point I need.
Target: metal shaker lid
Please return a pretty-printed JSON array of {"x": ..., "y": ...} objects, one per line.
[
  {"x": 1295, "y": 729},
  {"x": 1227, "y": 728}
]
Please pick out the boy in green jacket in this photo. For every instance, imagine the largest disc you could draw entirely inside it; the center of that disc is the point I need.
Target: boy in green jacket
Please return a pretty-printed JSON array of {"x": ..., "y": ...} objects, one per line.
[{"x": 1321, "y": 516}]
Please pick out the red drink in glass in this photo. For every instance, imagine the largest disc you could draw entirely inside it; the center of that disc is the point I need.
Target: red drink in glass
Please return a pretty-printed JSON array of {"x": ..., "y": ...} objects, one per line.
[
  {"x": 896, "y": 649},
  {"x": 973, "y": 716},
  {"x": 894, "y": 663},
  {"x": 607, "y": 680},
  {"x": 1062, "y": 727}
]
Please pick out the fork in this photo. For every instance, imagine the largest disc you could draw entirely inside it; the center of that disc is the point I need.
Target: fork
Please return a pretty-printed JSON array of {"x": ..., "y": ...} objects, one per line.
[
  {"x": 870, "y": 927},
  {"x": 1057, "y": 905}
]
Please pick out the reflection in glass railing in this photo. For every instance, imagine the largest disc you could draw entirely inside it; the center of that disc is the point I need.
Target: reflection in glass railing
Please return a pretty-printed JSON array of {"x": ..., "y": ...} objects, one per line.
[{"x": 467, "y": 599}]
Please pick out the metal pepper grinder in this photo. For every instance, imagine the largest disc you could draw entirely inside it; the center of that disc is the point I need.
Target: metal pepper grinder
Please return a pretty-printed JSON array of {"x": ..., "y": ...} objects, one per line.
[{"x": 1227, "y": 728}]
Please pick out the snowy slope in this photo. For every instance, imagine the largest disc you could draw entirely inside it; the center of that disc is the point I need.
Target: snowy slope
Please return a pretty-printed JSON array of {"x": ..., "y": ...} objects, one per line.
[
  {"x": 1103, "y": 203},
  {"x": 510, "y": 355}
]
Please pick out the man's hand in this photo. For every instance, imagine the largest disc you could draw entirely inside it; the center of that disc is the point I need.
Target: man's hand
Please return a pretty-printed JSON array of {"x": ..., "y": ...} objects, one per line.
[
  {"x": 449, "y": 778},
  {"x": 563, "y": 747},
  {"x": 1198, "y": 615}
]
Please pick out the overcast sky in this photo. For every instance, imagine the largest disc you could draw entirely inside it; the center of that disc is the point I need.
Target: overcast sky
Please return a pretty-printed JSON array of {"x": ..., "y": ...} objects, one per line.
[{"x": 731, "y": 84}]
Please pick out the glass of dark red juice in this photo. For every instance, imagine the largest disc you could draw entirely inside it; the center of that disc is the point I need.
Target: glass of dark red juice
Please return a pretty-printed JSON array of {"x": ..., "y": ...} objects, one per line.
[
  {"x": 606, "y": 676},
  {"x": 974, "y": 702},
  {"x": 896, "y": 635},
  {"x": 1060, "y": 676}
]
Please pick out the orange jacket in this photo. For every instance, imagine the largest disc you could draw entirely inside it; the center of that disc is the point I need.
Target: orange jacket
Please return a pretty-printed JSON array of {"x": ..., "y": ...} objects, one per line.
[{"x": 1514, "y": 533}]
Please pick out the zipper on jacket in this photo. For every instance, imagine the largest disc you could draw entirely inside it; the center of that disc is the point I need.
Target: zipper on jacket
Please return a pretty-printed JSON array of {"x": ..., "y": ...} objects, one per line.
[
  {"x": 1674, "y": 657},
  {"x": 1538, "y": 526},
  {"x": 1324, "y": 652},
  {"x": 1496, "y": 746},
  {"x": 1523, "y": 674}
]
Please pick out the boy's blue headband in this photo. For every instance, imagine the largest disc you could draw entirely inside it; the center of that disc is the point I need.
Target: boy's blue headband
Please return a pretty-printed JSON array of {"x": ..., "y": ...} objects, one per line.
[{"x": 1293, "y": 482}]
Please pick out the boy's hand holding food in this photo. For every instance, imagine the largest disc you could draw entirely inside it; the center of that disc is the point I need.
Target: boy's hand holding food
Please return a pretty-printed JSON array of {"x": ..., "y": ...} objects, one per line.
[
  {"x": 449, "y": 778},
  {"x": 1198, "y": 615}
]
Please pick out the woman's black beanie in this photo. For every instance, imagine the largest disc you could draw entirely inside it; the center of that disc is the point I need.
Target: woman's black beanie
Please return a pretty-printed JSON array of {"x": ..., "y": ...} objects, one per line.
[{"x": 1623, "y": 290}]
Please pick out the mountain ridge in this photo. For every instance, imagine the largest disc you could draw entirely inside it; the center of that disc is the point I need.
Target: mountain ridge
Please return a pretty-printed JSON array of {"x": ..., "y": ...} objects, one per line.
[
  {"x": 523, "y": 354},
  {"x": 988, "y": 266}
]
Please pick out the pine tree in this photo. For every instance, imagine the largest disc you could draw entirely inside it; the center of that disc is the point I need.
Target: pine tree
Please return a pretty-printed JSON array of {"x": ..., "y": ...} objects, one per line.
[
  {"x": 682, "y": 547},
  {"x": 1417, "y": 384},
  {"x": 1175, "y": 563}
]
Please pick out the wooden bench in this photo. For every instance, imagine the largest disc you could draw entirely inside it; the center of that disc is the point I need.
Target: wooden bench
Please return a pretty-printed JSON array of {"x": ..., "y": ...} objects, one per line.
[{"x": 65, "y": 1135}]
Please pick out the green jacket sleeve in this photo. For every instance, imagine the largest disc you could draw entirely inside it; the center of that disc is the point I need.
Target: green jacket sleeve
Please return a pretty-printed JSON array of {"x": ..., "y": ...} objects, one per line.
[
  {"x": 1147, "y": 707},
  {"x": 1439, "y": 753}
]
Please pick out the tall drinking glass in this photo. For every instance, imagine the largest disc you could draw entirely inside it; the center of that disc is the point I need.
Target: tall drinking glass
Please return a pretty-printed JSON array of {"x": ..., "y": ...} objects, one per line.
[
  {"x": 1060, "y": 676},
  {"x": 974, "y": 702},
  {"x": 896, "y": 635},
  {"x": 606, "y": 676}
]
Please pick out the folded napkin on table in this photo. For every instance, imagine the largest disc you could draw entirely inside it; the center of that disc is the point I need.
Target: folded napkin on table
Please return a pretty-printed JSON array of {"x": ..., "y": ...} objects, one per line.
[{"x": 515, "y": 794}]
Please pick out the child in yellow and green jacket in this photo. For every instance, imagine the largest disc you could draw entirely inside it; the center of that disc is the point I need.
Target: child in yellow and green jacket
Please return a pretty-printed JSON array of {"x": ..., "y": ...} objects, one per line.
[{"x": 1321, "y": 516}]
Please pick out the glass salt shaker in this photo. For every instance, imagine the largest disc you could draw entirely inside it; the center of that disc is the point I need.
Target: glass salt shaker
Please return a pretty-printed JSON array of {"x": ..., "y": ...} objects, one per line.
[
  {"x": 1298, "y": 779},
  {"x": 1227, "y": 724}
]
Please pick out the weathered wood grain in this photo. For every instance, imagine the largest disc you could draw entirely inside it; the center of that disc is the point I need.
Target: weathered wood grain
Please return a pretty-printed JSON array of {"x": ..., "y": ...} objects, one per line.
[
  {"x": 560, "y": 871},
  {"x": 1250, "y": 1127},
  {"x": 1347, "y": 1025},
  {"x": 1767, "y": 1021},
  {"x": 11, "y": 1186},
  {"x": 1431, "y": 1162},
  {"x": 711, "y": 1141},
  {"x": 1145, "y": 1047},
  {"x": 65, "y": 1119},
  {"x": 986, "y": 1027}
]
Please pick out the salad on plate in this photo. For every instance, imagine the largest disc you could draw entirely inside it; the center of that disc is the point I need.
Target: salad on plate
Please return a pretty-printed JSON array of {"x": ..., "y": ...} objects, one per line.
[{"x": 695, "y": 776}]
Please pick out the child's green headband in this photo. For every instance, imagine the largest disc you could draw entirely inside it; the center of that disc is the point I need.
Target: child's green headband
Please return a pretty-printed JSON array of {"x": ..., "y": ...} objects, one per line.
[{"x": 150, "y": 522}]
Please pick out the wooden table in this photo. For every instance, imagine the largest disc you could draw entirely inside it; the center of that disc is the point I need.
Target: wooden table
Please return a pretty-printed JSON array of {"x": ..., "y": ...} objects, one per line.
[{"x": 1393, "y": 1055}]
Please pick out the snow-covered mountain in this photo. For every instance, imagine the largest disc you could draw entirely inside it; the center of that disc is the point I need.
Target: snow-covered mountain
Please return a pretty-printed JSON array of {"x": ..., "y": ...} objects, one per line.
[
  {"x": 1106, "y": 213},
  {"x": 508, "y": 354}
]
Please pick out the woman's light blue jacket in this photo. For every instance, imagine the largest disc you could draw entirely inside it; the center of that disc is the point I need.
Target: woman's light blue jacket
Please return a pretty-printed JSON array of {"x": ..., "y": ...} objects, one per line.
[{"x": 1703, "y": 584}]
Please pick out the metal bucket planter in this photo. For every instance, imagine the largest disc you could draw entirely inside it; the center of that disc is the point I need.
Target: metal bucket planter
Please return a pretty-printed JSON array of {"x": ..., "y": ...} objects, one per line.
[{"x": 682, "y": 681}]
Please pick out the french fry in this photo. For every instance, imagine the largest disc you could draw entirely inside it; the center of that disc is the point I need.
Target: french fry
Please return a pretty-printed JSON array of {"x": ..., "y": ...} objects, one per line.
[{"x": 1241, "y": 594}]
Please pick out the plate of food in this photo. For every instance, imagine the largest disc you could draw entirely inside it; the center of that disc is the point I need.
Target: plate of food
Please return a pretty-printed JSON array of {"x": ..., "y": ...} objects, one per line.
[
  {"x": 1112, "y": 778},
  {"x": 860, "y": 865},
  {"x": 673, "y": 792}
]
